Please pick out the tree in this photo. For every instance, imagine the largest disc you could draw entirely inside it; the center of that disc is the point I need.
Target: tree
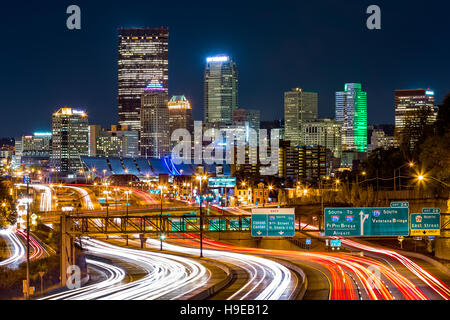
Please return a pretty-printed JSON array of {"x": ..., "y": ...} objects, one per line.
[
  {"x": 435, "y": 157},
  {"x": 443, "y": 117},
  {"x": 417, "y": 127},
  {"x": 7, "y": 210}
]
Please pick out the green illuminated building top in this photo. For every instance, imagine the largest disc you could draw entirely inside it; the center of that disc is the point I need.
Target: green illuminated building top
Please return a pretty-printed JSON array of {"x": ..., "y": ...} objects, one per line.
[{"x": 351, "y": 112}]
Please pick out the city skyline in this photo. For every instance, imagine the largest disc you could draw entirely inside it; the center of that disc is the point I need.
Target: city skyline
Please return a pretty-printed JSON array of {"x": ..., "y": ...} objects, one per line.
[{"x": 299, "y": 61}]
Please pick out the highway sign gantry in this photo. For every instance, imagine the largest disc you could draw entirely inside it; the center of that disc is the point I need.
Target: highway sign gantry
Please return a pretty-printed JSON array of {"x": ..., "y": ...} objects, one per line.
[
  {"x": 425, "y": 224},
  {"x": 366, "y": 222},
  {"x": 273, "y": 222}
]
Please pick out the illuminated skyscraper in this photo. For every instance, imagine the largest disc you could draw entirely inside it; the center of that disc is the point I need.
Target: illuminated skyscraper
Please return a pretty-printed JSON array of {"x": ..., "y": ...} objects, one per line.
[
  {"x": 154, "y": 121},
  {"x": 220, "y": 89},
  {"x": 410, "y": 102},
  {"x": 70, "y": 140},
  {"x": 351, "y": 112},
  {"x": 180, "y": 114},
  {"x": 299, "y": 106},
  {"x": 143, "y": 56}
]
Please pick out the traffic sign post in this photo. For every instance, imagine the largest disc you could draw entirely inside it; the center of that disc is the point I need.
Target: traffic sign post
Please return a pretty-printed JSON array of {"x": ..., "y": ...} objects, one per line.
[
  {"x": 273, "y": 222},
  {"x": 366, "y": 222},
  {"x": 425, "y": 224}
]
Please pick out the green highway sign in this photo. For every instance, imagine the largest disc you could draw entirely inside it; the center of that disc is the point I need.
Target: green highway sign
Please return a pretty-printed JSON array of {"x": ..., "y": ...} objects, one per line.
[
  {"x": 273, "y": 222},
  {"x": 425, "y": 224},
  {"x": 399, "y": 204},
  {"x": 217, "y": 225},
  {"x": 431, "y": 210},
  {"x": 245, "y": 224},
  {"x": 366, "y": 222},
  {"x": 335, "y": 243}
]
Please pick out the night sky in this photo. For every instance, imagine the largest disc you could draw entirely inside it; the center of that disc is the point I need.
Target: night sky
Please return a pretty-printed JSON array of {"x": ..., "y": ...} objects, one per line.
[{"x": 317, "y": 45}]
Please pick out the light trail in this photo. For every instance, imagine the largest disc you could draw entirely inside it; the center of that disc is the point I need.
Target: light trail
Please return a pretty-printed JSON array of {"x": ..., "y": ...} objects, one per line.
[
  {"x": 84, "y": 196},
  {"x": 38, "y": 250},
  {"x": 114, "y": 276},
  {"x": 269, "y": 280},
  {"x": 168, "y": 276},
  {"x": 18, "y": 249},
  {"x": 439, "y": 287},
  {"x": 342, "y": 287}
]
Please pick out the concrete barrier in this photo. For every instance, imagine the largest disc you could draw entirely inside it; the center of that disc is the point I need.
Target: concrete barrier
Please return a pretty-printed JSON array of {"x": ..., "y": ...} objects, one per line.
[{"x": 210, "y": 291}]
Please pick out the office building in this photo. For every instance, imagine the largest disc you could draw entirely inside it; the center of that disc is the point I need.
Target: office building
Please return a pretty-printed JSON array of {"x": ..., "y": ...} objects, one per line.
[
  {"x": 380, "y": 139},
  {"x": 312, "y": 163},
  {"x": 299, "y": 106},
  {"x": 180, "y": 114},
  {"x": 324, "y": 132},
  {"x": 242, "y": 117},
  {"x": 220, "y": 89},
  {"x": 143, "y": 56},
  {"x": 117, "y": 142},
  {"x": 409, "y": 103},
  {"x": 70, "y": 140},
  {"x": 37, "y": 145},
  {"x": 351, "y": 112},
  {"x": 154, "y": 139}
]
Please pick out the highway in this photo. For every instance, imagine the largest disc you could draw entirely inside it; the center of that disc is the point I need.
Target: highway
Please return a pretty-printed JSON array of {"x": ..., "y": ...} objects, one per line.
[
  {"x": 428, "y": 281},
  {"x": 264, "y": 279},
  {"x": 17, "y": 248},
  {"x": 349, "y": 277},
  {"x": 378, "y": 275},
  {"x": 167, "y": 276}
]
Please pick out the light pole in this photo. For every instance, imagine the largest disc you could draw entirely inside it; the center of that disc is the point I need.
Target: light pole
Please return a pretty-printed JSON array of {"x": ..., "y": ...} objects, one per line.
[
  {"x": 200, "y": 178},
  {"x": 27, "y": 294},
  {"x": 422, "y": 177},
  {"x": 161, "y": 187},
  {"x": 128, "y": 192},
  {"x": 107, "y": 212}
]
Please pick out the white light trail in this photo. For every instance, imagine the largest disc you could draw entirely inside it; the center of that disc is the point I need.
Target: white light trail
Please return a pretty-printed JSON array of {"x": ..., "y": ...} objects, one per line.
[{"x": 18, "y": 249}]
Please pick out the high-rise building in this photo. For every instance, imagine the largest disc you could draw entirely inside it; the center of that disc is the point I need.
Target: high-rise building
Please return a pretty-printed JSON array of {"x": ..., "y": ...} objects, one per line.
[
  {"x": 324, "y": 132},
  {"x": 409, "y": 102},
  {"x": 143, "y": 56},
  {"x": 351, "y": 112},
  {"x": 312, "y": 163},
  {"x": 154, "y": 140},
  {"x": 70, "y": 140},
  {"x": 299, "y": 106},
  {"x": 37, "y": 145},
  {"x": 94, "y": 133},
  {"x": 220, "y": 89},
  {"x": 180, "y": 114},
  {"x": 242, "y": 117},
  {"x": 117, "y": 142},
  {"x": 379, "y": 139}
]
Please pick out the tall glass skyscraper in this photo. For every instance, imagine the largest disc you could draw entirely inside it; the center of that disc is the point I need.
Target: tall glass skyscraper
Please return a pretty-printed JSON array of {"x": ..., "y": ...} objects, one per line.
[
  {"x": 299, "y": 106},
  {"x": 154, "y": 121},
  {"x": 351, "y": 112},
  {"x": 143, "y": 56},
  {"x": 220, "y": 89},
  {"x": 70, "y": 140}
]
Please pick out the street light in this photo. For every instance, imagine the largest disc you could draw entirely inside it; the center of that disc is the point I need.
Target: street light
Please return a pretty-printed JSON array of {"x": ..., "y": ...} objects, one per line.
[
  {"x": 200, "y": 178},
  {"x": 423, "y": 177},
  {"x": 127, "y": 192},
  {"x": 161, "y": 188}
]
